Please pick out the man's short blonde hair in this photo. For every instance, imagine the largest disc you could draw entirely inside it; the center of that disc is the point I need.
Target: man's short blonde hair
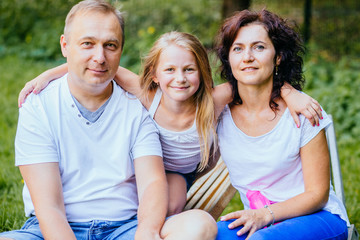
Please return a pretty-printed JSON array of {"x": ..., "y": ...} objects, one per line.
[{"x": 97, "y": 6}]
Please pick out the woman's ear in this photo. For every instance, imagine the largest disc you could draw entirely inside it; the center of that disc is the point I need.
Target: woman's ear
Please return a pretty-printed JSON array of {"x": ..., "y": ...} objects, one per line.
[{"x": 278, "y": 60}]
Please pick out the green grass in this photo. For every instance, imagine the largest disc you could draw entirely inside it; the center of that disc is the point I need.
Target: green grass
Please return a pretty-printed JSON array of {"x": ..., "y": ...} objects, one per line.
[
  {"x": 335, "y": 86},
  {"x": 13, "y": 75}
]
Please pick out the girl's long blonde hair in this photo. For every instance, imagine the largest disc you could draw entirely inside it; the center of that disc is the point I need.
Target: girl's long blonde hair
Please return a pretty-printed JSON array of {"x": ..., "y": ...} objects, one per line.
[{"x": 205, "y": 116}]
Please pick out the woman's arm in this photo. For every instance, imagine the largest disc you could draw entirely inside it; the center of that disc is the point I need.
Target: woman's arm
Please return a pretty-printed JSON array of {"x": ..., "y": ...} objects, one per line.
[
  {"x": 300, "y": 103},
  {"x": 41, "y": 81},
  {"x": 316, "y": 172}
]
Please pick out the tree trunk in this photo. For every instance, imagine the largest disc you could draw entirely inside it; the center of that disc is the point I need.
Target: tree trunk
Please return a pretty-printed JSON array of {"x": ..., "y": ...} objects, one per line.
[
  {"x": 231, "y": 6},
  {"x": 307, "y": 20}
]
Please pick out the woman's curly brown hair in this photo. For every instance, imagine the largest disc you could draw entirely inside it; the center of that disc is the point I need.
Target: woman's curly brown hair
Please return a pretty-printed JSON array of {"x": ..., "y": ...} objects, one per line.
[{"x": 287, "y": 44}]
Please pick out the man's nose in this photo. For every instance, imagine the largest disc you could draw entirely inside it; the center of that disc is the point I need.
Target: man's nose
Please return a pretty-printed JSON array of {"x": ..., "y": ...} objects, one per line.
[{"x": 99, "y": 55}]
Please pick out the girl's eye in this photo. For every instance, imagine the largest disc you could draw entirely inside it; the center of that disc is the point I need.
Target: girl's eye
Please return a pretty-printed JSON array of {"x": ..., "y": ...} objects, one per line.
[
  {"x": 189, "y": 69},
  {"x": 169, "y": 69}
]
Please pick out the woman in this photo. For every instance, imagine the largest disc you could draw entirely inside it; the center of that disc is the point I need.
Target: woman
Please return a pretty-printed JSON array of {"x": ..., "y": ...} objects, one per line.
[{"x": 281, "y": 172}]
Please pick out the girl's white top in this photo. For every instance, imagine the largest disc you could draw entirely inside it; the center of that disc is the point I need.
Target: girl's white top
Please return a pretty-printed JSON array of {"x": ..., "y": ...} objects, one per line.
[
  {"x": 271, "y": 163},
  {"x": 181, "y": 150}
]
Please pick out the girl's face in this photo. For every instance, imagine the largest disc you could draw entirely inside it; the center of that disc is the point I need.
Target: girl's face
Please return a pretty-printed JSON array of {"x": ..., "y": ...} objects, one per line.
[
  {"x": 177, "y": 73},
  {"x": 252, "y": 56}
]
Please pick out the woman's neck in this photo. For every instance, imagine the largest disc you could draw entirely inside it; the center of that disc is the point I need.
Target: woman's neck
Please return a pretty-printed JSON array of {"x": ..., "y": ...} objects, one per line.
[{"x": 255, "y": 98}]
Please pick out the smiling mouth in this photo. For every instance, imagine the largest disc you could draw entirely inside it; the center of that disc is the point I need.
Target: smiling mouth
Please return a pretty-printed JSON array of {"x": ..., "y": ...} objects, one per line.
[
  {"x": 249, "y": 69},
  {"x": 99, "y": 71},
  {"x": 180, "y": 88}
]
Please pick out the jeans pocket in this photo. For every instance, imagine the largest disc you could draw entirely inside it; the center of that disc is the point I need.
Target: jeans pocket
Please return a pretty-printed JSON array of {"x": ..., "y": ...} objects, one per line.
[{"x": 32, "y": 221}]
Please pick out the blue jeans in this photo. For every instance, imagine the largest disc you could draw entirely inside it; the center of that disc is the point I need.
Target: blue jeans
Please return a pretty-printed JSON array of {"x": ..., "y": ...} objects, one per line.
[
  {"x": 316, "y": 226},
  {"x": 93, "y": 230}
]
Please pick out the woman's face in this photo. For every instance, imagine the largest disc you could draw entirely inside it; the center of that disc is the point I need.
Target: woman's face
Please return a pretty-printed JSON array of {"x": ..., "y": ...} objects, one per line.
[{"x": 252, "y": 56}]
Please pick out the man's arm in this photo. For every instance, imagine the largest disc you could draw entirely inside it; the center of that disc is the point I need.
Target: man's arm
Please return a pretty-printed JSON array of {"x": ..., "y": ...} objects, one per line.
[
  {"x": 44, "y": 184},
  {"x": 153, "y": 196}
]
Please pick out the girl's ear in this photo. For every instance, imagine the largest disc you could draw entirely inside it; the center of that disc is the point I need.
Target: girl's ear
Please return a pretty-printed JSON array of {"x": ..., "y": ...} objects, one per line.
[
  {"x": 155, "y": 80},
  {"x": 153, "y": 77}
]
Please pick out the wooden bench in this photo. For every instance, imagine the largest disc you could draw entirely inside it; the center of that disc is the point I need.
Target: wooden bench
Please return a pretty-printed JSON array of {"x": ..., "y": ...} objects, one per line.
[{"x": 213, "y": 191}]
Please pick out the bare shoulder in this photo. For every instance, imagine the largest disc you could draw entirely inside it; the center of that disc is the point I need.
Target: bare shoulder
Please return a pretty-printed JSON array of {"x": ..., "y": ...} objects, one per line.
[{"x": 222, "y": 95}]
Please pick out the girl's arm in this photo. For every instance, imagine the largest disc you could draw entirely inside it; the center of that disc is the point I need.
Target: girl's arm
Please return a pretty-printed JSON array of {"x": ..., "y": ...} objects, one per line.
[
  {"x": 298, "y": 103},
  {"x": 316, "y": 171},
  {"x": 128, "y": 81},
  {"x": 125, "y": 78},
  {"x": 222, "y": 95},
  {"x": 41, "y": 81}
]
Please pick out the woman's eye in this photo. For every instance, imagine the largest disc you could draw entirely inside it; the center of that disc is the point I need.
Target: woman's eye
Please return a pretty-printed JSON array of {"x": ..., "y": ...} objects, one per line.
[
  {"x": 259, "y": 47},
  {"x": 236, "y": 49},
  {"x": 169, "y": 69},
  {"x": 189, "y": 69}
]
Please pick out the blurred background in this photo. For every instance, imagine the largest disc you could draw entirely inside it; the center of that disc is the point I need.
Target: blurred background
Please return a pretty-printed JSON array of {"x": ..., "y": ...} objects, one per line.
[{"x": 29, "y": 44}]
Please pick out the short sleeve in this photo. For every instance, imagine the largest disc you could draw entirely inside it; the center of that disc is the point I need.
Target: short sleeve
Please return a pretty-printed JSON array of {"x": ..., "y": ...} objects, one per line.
[
  {"x": 147, "y": 141},
  {"x": 308, "y": 132},
  {"x": 34, "y": 142}
]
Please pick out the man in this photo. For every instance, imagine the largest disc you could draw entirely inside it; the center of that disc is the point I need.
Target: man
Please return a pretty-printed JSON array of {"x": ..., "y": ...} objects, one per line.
[{"x": 88, "y": 152}]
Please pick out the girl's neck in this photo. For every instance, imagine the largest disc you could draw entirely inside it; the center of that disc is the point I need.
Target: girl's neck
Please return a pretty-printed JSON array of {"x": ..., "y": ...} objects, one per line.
[{"x": 175, "y": 116}]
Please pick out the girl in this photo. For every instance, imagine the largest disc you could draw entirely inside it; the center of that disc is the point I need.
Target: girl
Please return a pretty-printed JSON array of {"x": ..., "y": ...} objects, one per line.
[
  {"x": 281, "y": 172},
  {"x": 176, "y": 88}
]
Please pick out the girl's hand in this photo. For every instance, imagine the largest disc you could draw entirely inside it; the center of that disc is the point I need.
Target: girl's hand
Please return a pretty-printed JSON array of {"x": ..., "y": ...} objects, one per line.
[
  {"x": 34, "y": 86},
  {"x": 40, "y": 82},
  {"x": 301, "y": 103},
  {"x": 252, "y": 220}
]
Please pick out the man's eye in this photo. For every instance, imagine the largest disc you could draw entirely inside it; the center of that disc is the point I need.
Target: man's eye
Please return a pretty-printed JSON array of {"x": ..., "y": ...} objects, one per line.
[
  {"x": 86, "y": 44},
  {"x": 111, "y": 45}
]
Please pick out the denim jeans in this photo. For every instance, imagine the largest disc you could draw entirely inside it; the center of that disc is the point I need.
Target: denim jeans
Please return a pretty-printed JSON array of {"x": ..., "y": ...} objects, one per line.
[
  {"x": 316, "y": 226},
  {"x": 93, "y": 230}
]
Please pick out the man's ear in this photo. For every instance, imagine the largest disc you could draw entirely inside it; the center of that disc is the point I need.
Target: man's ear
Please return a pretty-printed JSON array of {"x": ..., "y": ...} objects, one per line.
[{"x": 63, "y": 44}]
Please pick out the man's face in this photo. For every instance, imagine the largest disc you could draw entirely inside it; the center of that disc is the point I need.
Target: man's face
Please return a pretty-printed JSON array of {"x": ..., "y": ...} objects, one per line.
[{"x": 92, "y": 46}]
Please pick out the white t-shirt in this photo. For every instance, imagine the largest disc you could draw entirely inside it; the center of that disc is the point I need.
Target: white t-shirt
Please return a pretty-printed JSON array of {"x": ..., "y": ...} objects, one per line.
[
  {"x": 270, "y": 163},
  {"x": 95, "y": 159},
  {"x": 181, "y": 150}
]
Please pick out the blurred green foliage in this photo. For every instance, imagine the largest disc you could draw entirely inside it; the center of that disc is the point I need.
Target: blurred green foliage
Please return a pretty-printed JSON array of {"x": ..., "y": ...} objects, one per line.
[{"x": 31, "y": 28}]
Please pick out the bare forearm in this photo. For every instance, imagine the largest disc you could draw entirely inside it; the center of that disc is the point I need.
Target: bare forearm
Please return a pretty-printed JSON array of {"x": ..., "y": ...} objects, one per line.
[
  {"x": 152, "y": 209},
  {"x": 302, "y": 204},
  {"x": 54, "y": 225},
  {"x": 128, "y": 81}
]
